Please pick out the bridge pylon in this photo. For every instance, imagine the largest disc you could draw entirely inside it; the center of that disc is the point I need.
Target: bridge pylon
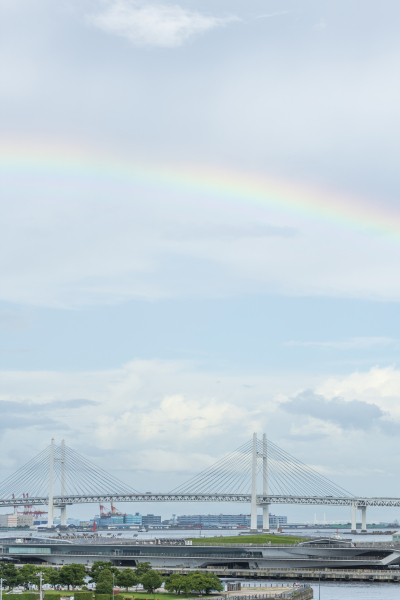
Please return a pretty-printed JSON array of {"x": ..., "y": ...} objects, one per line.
[
  {"x": 254, "y": 471},
  {"x": 253, "y": 517},
  {"x": 50, "y": 510},
  {"x": 265, "y": 484}
]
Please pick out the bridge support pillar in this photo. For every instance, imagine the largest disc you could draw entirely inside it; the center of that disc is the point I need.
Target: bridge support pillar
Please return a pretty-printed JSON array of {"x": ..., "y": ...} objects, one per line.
[
  {"x": 63, "y": 521},
  {"x": 253, "y": 518},
  {"x": 353, "y": 517},
  {"x": 363, "y": 519},
  {"x": 51, "y": 487},
  {"x": 265, "y": 485}
]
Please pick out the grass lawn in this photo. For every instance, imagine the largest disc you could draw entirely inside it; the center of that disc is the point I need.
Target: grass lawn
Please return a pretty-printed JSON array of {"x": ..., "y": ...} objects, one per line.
[{"x": 247, "y": 539}]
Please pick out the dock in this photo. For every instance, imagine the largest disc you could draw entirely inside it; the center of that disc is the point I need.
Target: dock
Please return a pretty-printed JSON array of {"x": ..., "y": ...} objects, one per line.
[{"x": 347, "y": 575}]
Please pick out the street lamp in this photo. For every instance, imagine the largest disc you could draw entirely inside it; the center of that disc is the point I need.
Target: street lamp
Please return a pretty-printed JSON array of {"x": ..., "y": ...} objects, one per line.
[
  {"x": 113, "y": 586},
  {"x": 319, "y": 585},
  {"x": 40, "y": 585},
  {"x": 1, "y": 589}
]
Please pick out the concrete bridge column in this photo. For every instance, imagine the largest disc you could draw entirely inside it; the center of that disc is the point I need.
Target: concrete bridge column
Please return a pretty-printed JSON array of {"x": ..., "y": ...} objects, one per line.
[
  {"x": 353, "y": 517},
  {"x": 63, "y": 465},
  {"x": 265, "y": 485},
  {"x": 51, "y": 487},
  {"x": 364, "y": 519},
  {"x": 63, "y": 516}
]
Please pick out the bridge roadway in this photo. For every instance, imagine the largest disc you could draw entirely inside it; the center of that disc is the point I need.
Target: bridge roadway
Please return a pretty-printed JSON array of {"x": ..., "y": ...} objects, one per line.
[{"x": 60, "y": 501}]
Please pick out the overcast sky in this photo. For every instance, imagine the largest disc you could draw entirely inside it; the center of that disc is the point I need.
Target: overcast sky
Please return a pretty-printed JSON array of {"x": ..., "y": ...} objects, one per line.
[{"x": 156, "y": 325}]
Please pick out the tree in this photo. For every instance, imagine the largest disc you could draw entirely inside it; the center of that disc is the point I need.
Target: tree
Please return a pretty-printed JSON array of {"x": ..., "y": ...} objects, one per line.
[
  {"x": 201, "y": 583},
  {"x": 141, "y": 569},
  {"x": 196, "y": 581},
  {"x": 174, "y": 583},
  {"x": 73, "y": 574},
  {"x": 104, "y": 583},
  {"x": 211, "y": 583},
  {"x": 127, "y": 578},
  {"x": 99, "y": 566},
  {"x": 29, "y": 575},
  {"x": 10, "y": 575},
  {"x": 186, "y": 584},
  {"x": 52, "y": 576},
  {"x": 151, "y": 581}
]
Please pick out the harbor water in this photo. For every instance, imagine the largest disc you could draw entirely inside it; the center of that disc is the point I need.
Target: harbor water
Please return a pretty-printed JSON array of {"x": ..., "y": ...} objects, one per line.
[{"x": 337, "y": 590}]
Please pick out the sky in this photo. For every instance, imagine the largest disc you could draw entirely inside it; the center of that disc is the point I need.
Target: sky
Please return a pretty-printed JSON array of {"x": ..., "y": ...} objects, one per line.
[{"x": 200, "y": 237}]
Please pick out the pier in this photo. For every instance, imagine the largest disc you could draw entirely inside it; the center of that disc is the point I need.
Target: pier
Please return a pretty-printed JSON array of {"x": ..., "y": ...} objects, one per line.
[{"x": 365, "y": 575}]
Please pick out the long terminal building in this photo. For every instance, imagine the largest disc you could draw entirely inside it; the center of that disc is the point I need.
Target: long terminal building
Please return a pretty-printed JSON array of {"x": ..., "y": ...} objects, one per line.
[{"x": 172, "y": 554}]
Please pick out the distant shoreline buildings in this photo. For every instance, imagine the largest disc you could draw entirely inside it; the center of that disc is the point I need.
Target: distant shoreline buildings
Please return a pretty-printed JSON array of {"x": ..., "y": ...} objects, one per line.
[
  {"x": 228, "y": 520},
  {"x": 115, "y": 519}
]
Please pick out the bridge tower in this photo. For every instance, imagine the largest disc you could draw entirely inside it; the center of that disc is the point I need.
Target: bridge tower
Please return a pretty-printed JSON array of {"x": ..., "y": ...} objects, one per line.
[
  {"x": 265, "y": 507},
  {"x": 62, "y": 460},
  {"x": 253, "y": 518},
  {"x": 265, "y": 484},
  {"x": 51, "y": 487},
  {"x": 63, "y": 506}
]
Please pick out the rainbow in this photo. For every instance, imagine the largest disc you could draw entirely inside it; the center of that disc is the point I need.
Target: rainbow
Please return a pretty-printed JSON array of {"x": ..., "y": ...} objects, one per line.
[{"x": 47, "y": 164}]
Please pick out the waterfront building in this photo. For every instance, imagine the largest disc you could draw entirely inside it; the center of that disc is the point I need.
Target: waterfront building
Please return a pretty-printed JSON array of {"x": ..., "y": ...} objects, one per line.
[
  {"x": 135, "y": 519},
  {"x": 16, "y": 520},
  {"x": 168, "y": 554},
  {"x": 222, "y": 520},
  {"x": 148, "y": 520},
  {"x": 118, "y": 519},
  {"x": 9, "y": 520},
  {"x": 24, "y": 520}
]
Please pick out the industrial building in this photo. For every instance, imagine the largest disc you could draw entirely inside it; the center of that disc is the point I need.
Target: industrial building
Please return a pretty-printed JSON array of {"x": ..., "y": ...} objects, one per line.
[
  {"x": 16, "y": 520},
  {"x": 121, "y": 519},
  {"x": 116, "y": 517},
  {"x": 227, "y": 520},
  {"x": 151, "y": 520}
]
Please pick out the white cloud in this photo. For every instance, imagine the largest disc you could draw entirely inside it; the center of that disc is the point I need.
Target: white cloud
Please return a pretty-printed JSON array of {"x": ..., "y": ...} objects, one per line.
[
  {"x": 274, "y": 14},
  {"x": 144, "y": 410},
  {"x": 380, "y": 386},
  {"x": 154, "y": 25},
  {"x": 159, "y": 422}
]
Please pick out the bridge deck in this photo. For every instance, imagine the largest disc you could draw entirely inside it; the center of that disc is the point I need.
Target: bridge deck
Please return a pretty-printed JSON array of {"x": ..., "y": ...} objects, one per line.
[{"x": 261, "y": 499}]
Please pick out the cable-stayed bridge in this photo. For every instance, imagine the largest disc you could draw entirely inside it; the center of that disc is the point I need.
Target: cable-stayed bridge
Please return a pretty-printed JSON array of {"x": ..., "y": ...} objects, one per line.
[{"x": 59, "y": 476}]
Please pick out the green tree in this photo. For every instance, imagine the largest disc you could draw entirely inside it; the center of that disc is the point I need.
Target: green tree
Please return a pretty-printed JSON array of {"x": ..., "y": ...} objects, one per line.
[
  {"x": 151, "y": 581},
  {"x": 104, "y": 583},
  {"x": 196, "y": 581},
  {"x": 141, "y": 569},
  {"x": 10, "y": 575},
  {"x": 174, "y": 583},
  {"x": 211, "y": 583},
  {"x": 52, "y": 576},
  {"x": 99, "y": 566},
  {"x": 29, "y": 575},
  {"x": 127, "y": 578},
  {"x": 202, "y": 583},
  {"x": 186, "y": 584},
  {"x": 73, "y": 575}
]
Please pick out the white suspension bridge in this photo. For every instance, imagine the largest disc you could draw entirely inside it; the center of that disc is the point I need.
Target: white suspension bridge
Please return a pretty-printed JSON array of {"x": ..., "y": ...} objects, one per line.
[{"x": 285, "y": 480}]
